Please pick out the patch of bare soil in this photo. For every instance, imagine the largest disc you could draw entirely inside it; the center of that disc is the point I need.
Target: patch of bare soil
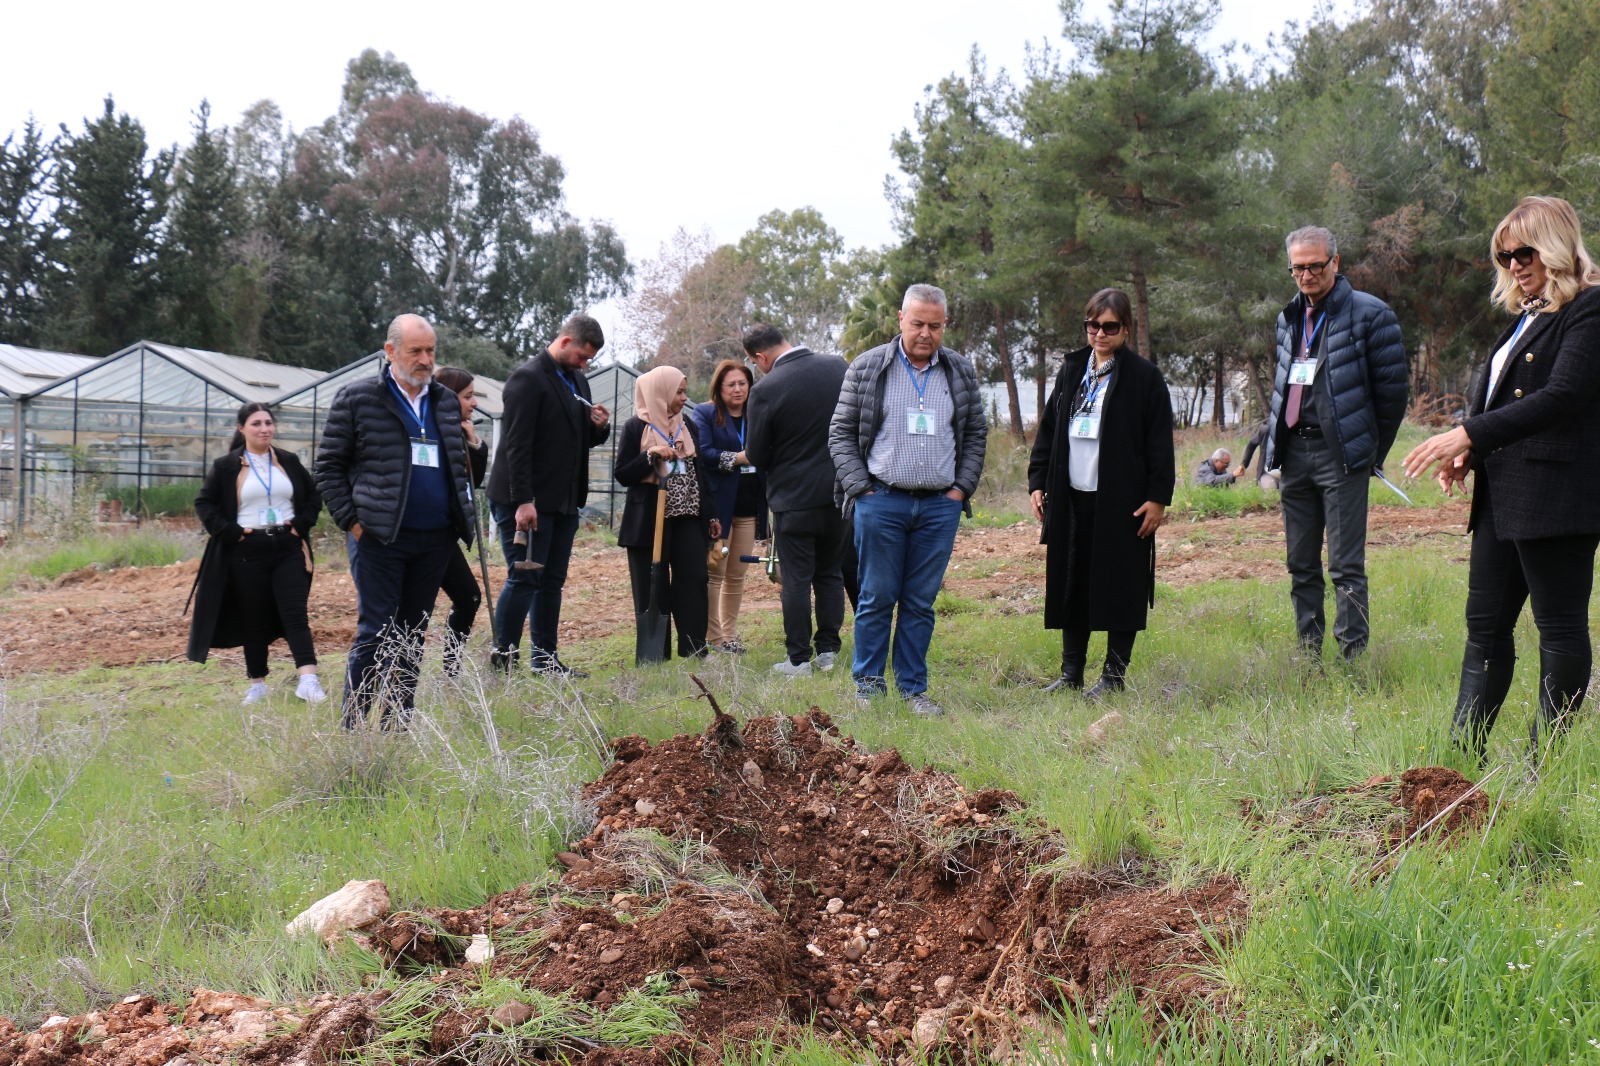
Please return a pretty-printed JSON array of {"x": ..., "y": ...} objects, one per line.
[
  {"x": 129, "y": 616},
  {"x": 806, "y": 880},
  {"x": 1382, "y": 813}
]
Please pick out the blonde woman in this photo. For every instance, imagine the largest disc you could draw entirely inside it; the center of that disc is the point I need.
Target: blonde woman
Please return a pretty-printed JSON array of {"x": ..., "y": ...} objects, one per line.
[{"x": 1530, "y": 440}]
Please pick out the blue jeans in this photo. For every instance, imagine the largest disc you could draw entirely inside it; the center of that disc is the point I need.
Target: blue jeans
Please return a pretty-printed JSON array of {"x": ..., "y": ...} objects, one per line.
[
  {"x": 904, "y": 544},
  {"x": 534, "y": 595}
]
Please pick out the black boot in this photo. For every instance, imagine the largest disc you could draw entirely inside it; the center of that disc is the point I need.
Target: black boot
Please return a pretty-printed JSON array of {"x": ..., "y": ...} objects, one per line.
[
  {"x": 1484, "y": 684},
  {"x": 1562, "y": 680},
  {"x": 1113, "y": 675},
  {"x": 504, "y": 660},
  {"x": 1071, "y": 678},
  {"x": 1108, "y": 684}
]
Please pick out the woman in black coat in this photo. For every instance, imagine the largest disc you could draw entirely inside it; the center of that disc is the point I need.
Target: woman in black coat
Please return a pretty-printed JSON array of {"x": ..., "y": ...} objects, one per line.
[
  {"x": 658, "y": 441},
  {"x": 1101, "y": 478},
  {"x": 1532, "y": 442},
  {"x": 258, "y": 504},
  {"x": 459, "y": 583}
]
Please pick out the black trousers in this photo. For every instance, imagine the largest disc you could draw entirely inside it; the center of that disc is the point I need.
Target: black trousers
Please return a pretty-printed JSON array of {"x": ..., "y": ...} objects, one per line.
[
  {"x": 267, "y": 579},
  {"x": 683, "y": 549},
  {"x": 1555, "y": 573},
  {"x": 461, "y": 585},
  {"x": 811, "y": 546},
  {"x": 397, "y": 585},
  {"x": 1075, "y": 634}
]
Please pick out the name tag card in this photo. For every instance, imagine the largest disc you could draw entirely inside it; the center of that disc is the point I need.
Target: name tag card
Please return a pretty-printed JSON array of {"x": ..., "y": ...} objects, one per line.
[
  {"x": 424, "y": 453},
  {"x": 267, "y": 516},
  {"x": 1302, "y": 371},
  {"x": 920, "y": 423},
  {"x": 747, "y": 468},
  {"x": 1086, "y": 426}
]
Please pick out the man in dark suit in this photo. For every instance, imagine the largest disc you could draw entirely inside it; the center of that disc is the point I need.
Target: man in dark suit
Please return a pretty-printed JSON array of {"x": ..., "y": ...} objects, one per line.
[
  {"x": 788, "y": 414},
  {"x": 538, "y": 483}
]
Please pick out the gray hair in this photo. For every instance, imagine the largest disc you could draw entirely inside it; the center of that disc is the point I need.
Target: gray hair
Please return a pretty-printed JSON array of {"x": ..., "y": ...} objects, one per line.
[
  {"x": 925, "y": 294},
  {"x": 1221, "y": 453},
  {"x": 1312, "y": 235},
  {"x": 397, "y": 328}
]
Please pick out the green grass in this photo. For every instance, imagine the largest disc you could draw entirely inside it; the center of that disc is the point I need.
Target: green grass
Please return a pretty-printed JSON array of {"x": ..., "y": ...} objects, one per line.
[
  {"x": 48, "y": 559},
  {"x": 186, "y": 830}
]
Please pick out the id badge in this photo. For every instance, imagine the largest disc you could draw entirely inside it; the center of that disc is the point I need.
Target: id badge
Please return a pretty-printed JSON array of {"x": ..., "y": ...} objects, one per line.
[
  {"x": 267, "y": 516},
  {"x": 424, "y": 453},
  {"x": 674, "y": 467},
  {"x": 747, "y": 468},
  {"x": 1086, "y": 426},
  {"x": 919, "y": 423},
  {"x": 1302, "y": 371}
]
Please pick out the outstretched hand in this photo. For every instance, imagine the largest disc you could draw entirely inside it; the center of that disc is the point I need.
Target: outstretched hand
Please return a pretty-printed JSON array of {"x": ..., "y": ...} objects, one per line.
[{"x": 1443, "y": 448}]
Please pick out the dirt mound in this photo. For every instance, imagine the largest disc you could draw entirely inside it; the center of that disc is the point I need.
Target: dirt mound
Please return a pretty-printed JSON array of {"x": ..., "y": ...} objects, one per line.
[{"x": 740, "y": 881}]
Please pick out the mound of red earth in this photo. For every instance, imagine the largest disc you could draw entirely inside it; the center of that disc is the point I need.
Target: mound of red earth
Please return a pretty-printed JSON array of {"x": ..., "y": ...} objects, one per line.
[{"x": 778, "y": 874}]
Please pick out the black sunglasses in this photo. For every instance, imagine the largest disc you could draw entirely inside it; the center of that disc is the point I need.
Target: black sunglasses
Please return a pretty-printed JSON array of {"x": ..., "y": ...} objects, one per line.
[
  {"x": 1523, "y": 256},
  {"x": 1110, "y": 329}
]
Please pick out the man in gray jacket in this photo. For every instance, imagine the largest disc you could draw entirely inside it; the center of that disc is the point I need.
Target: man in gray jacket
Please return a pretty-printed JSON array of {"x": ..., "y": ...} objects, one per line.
[
  {"x": 1337, "y": 401},
  {"x": 908, "y": 440}
]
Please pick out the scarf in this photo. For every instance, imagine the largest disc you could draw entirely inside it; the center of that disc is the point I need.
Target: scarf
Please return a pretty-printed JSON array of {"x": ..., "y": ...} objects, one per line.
[{"x": 652, "y": 394}]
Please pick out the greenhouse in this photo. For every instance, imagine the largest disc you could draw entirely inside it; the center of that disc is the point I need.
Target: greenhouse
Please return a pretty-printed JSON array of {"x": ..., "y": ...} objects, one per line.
[
  {"x": 138, "y": 428},
  {"x": 23, "y": 371}
]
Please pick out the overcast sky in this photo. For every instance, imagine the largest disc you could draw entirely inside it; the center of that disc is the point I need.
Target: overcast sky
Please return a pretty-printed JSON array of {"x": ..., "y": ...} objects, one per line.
[{"x": 699, "y": 113}]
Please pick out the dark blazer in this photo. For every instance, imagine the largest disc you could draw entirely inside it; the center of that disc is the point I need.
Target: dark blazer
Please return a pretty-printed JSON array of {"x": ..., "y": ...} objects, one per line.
[
  {"x": 1538, "y": 437},
  {"x": 1361, "y": 387},
  {"x": 720, "y": 441},
  {"x": 789, "y": 410},
  {"x": 364, "y": 458},
  {"x": 216, "y": 622},
  {"x": 1136, "y": 464},
  {"x": 545, "y": 436},
  {"x": 638, "y": 526}
]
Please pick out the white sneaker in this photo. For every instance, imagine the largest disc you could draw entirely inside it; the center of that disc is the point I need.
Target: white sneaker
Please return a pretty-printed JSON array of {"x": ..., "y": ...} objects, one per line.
[
  {"x": 310, "y": 689},
  {"x": 256, "y": 693},
  {"x": 789, "y": 669},
  {"x": 825, "y": 660}
]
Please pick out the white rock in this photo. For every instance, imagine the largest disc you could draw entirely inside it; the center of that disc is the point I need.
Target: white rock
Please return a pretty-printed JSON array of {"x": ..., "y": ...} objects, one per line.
[
  {"x": 357, "y": 905},
  {"x": 644, "y": 807},
  {"x": 752, "y": 774},
  {"x": 480, "y": 950},
  {"x": 835, "y": 905},
  {"x": 1100, "y": 730},
  {"x": 818, "y": 952}
]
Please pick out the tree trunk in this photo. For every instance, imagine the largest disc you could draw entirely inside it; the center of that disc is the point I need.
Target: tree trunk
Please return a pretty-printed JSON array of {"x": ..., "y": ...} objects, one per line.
[
  {"x": 1219, "y": 410},
  {"x": 1141, "y": 308},
  {"x": 1008, "y": 369}
]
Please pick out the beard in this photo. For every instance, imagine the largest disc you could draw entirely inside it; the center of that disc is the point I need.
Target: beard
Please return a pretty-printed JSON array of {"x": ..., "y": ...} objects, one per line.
[{"x": 416, "y": 379}]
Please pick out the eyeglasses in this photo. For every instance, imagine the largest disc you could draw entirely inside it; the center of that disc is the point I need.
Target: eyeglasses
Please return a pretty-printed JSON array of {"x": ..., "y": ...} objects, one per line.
[
  {"x": 1523, "y": 256},
  {"x": 1110, "y": 329},
  {"x": 1309, "y": 268}
]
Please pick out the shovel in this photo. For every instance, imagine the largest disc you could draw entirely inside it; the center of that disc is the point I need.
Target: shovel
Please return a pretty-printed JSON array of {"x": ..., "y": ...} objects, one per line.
[{"x": 653, "y": 622}]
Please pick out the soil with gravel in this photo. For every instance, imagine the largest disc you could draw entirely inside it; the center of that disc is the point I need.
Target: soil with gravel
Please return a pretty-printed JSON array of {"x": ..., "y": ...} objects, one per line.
[
  {"x": 1432, "y": 804},
  {"x": 129, "y": 616},
  {"x": 808, "y": 881}
]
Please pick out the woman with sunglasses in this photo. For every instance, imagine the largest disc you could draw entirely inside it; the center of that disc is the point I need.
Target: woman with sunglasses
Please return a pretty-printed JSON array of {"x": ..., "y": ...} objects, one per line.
[
  {"x": 1101, "y": 477},
  {"x": 1531, "y": 439}
]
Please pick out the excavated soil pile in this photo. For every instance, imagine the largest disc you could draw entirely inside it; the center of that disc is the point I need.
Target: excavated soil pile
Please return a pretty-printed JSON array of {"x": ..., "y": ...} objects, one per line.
[{"x": 770, "y": 875}]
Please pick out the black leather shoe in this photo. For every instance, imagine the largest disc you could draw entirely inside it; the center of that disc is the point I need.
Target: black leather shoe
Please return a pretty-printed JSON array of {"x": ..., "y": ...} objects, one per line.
[
  {"x": 1104, "y": 688},
  {"x": 545, "y": 664},
  {"x": 504, "y": 660}
]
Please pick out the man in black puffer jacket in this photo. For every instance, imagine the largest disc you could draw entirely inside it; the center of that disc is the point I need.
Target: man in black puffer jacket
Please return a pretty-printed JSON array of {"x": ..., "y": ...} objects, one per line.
[
  {"x": 1337, "y": 401},
  {"x": 392, "y": 468}
]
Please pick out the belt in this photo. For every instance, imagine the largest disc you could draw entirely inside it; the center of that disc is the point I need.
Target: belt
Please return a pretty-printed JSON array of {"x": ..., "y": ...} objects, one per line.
[
  {"x": 915, "y": 494},
  {"x": 272, "y": 531},
  {"x": 1308, "y": 432}
]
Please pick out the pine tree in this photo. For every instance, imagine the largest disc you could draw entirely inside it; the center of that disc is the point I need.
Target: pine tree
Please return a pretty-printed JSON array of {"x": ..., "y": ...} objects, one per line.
[
  {"x": 200, "y": 254},
  {"x": 27, "y": 234},
  {"x": 112, "y": 200}
]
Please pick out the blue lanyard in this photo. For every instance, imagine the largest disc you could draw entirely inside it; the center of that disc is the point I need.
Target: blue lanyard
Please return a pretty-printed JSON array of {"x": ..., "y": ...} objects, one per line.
[
  {"x": 1311, "y": 338},
  {"x": 672, "y": 440},
  {"x": 912, "y": 373},
  {"x": 740, "y": 423},
  {"x": 405, "y": 405},
  {"x": 1093, "y": 385},
  {"x": 1522, "y": 324},
  {"x": 267, "y": 484}
]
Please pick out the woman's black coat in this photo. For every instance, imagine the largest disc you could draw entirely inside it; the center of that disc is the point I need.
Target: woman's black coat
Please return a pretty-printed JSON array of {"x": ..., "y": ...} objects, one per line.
[
  {"x": 1538, "y": 436},
  {"x": 216, "y": 620},
  {"x": 638, "y": 528},
  {"x": 1136, "y": 464}
]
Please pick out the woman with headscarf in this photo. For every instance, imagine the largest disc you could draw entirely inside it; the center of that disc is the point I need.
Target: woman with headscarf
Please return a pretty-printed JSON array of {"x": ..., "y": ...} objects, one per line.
[
  {"x": 1531, "y": 442},
  {"x": 659, "y": 443},
  {"x": 258, "y": 504}
]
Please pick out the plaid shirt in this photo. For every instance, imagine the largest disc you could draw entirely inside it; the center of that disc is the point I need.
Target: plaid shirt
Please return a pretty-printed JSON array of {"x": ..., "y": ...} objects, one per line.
[{"x": 900, "y": 459}]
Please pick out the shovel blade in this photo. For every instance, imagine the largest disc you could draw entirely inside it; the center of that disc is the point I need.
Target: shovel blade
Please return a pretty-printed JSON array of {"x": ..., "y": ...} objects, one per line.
[{"x": 653, "y": 623}]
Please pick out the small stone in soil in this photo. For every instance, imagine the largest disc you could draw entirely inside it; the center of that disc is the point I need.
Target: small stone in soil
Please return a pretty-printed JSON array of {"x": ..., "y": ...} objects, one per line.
[
  {"x": 944, "y": 985},
  {"x": 835, "y": 905},
  {"x": 610, "y": 955}
]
